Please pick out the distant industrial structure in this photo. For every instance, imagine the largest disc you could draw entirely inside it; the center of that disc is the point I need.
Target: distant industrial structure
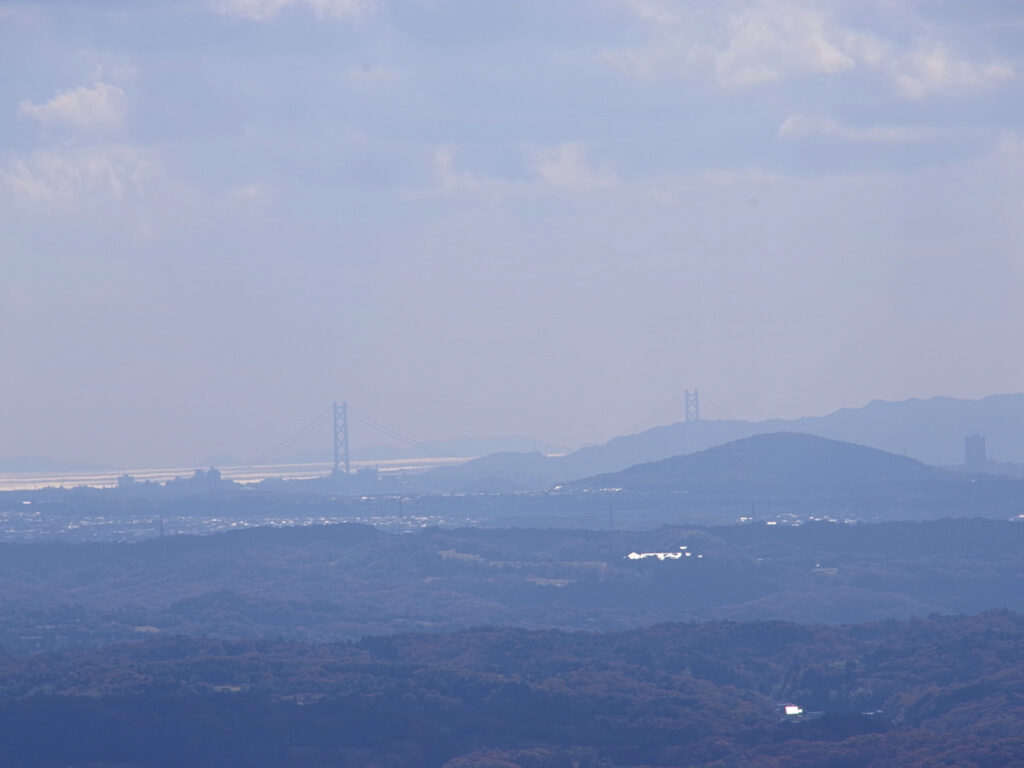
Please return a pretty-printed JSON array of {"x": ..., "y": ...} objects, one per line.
[
  {"x": 341, "y": 455},
  {"x": 365, "y": 480},
  {"x": 692, "y": 405},
  {"x": 975, "y": 455}
]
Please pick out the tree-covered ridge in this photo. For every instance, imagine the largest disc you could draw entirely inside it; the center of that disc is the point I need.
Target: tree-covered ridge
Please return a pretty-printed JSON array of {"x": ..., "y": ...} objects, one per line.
[
  {"x": 920, "y": 692},
  {"x": 779, "y": 460},
  {"x": 327, "y": 583}
]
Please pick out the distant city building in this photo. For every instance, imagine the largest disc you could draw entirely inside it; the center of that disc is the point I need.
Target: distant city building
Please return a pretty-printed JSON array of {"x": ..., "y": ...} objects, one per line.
[
  {"x": 208, "y": 480},
  {"x": 974, "y": 451}
]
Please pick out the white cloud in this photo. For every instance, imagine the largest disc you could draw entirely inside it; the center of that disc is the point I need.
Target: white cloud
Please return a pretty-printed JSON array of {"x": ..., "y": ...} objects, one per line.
[
  {"x": 1011, "y": 145},
  {"x": 62, "y": 177},
  {"x": 800, "y": 126},
  {"x": 651, "y": 10},
  {"x": 931, "y": 67},
  {"x": 259, "y": 10},
  {"x": 252, "y": 199},
  {"x": 669, "y": 48},
  {"x": 565, "y": 166},
  {"x": 101, "y": 106},
  {"x": 767, "y": 41},
  {"x": 22, "y": 15},
  {"x": 450, "y": 178},
  {"x": 774, "y": 41},
  {"x": 254, "y": 191},
  {"x": 762, "y": 42}
]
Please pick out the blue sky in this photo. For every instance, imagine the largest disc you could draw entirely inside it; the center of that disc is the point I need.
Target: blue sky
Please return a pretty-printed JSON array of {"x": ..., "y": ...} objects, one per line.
[{"x": 484, "y": 218}]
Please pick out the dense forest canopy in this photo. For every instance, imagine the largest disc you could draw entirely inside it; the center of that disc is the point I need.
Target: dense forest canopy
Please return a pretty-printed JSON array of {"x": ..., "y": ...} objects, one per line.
[
  {"x": 922, "y": 692},
  {"x": 336, "y": 582}
]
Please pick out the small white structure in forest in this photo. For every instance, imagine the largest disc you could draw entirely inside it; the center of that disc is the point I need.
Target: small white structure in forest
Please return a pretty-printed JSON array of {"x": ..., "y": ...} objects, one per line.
[{"x": 662, "y": 555}]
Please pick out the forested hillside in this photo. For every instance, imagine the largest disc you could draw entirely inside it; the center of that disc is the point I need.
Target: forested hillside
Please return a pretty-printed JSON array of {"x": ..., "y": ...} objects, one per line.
[
  {"x": 925, "y": 692},
  {"x": 336, "y": 582}
]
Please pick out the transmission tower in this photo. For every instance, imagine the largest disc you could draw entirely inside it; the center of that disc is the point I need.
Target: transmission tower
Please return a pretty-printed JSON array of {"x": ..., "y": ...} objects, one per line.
[
  {"x": 692, "y": 405},
  {"x": 340, "y": 422}
]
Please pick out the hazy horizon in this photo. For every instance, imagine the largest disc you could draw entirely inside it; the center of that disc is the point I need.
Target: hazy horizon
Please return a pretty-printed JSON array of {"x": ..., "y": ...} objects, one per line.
[
  {"x": 370, "y": 449},
  {"x": 475, "y": 219}
]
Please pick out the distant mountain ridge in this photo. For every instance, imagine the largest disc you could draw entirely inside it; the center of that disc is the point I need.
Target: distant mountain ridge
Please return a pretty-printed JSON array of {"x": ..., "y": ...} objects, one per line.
[
  {"x": 931, "y": 431},
  {"x": 789, "y": 461},
  {"x": 791, "y": 474}
]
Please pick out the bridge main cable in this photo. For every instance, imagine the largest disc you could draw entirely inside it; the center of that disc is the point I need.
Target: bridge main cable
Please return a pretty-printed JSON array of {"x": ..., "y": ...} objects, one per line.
[{"x": 291, "y": 440}]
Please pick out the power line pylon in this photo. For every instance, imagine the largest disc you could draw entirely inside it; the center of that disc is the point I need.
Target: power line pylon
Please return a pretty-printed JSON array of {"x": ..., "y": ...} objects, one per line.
[
  {"x": 692, "y": 405},
  {"x": 340, "y": 422}
]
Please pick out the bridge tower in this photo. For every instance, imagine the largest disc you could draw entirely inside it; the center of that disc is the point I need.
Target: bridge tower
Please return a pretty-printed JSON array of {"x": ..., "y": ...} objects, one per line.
[
  {"x": 692, "y": 405},
  {"x": 340, "y": 422}
]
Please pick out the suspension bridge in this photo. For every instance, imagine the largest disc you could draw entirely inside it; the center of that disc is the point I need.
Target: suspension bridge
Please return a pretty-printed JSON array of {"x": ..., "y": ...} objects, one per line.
[{"x": 274, "y": 461}]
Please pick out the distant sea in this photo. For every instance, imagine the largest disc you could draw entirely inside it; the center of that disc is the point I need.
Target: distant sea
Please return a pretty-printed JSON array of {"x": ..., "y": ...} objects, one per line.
[{"x": 107, "y": 478}]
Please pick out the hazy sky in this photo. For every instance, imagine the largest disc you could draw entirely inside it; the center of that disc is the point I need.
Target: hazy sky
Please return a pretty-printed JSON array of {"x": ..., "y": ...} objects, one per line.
[{"x": 485, "y": 217}]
